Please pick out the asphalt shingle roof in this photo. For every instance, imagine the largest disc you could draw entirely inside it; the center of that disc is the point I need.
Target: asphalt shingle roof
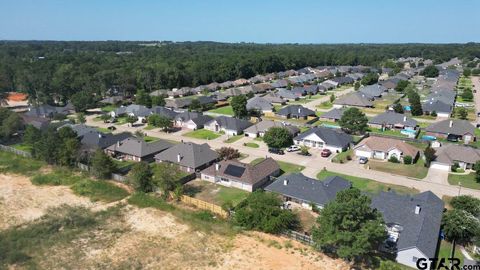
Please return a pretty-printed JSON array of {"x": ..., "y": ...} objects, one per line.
[
  {"x": 393, "y": 118},
  {"x": 328, "y": 135},
  {"x": 138, "y": 147},
  {"x": 295, "y": 111},
  {"x": 191, "y": 155},
  {"x": 231, "y": 123},
  {"x": 459, "y": 127}
]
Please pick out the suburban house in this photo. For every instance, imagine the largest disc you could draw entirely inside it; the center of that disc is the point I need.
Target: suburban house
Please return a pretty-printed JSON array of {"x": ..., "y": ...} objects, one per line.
[
  {"x": 412, "y": 223},
  {"x": 343, "y": 80},
  {"x": 113, "y": 100},
  {"x": 181, "y": 119},
  {"x": 298, "y": 91},
  {"x": 48, "y": 111},
  {"x": 296, "y": 111},
  {"x": 139, "y": 111},
  {"x": 392, "y": 120},
  {"x": 259, "y": 129},
  {"x": 306, "y": 191},
  {"x": 40, "y": 123},
  {"x": 274, "y": 98},
  {"x": 324, "y": 138},
  {"x": 452, "y": 130},
  {"x": 374, "y": 90},
  {"x": 449, "y": 154},
  {"x": 162, "y": 111},
  {"x": 94, "y": 140},
  {"x": 233, "y": 173},
  {"x": 356, "y": 99},
  {"x": 333, "y": 115},
  {"x": 136, "y": 149},
  {"x": 259, "y": 104},
  {"x": 80, "y": 129},
  {"x": 384, "y": 148},
  {"x": 286, "y": 94},
  {"x": 197, "y": 122},
  {"x": 230, "y": 125},
  {"x": 190, "y": 157}
]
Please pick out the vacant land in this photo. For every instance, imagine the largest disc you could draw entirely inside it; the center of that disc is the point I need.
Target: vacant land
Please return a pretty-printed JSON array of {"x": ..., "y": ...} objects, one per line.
[
  {"x": 202, "y": 134},
  {"x": 96, "y": 235},
  {"x": 466, "y": 180},
  {"x": 367, "y": 185}
]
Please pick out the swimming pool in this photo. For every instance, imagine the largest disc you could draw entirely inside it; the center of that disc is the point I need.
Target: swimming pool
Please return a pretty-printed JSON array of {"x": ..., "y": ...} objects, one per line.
[{"x": 429, "y": 138}]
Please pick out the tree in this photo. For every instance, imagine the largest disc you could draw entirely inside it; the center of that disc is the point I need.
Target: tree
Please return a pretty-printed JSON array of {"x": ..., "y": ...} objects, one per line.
[
  {"x": 460, "y": 226},
  {"x": 467, "y": 72},
  {"x": 389, "y": 265},
  {"x": 356, "y": 86},
  {"x": 195, "y": 105},
  {"x": 139, "y": 134},
  {"x": 354, "y": 121},
  {"x": 102, "y": 165},
  {"x": 462, "y": 113},
  {"x": 158, "y": 101},
  {"x": 82, "y": 101},
  {"x": 370, "y": 78},
  {"x": 46, "y": 148},
  {"x": 140, "y": 177},
  {"x": 11, "y": 125},
  {"x": 143, "y": 98},
  {"x": 31, "y": 135},
  {"x": 278, "y": 137},
  {"x": 401, "y": 85},
  {"x": 332, "y": 98},
  {"x": 68, "y": 152},
  {"x": 466, "y": 203},
  {"x": 228, "y": 153},
  {"x": 415, "y": 104},
  {"x": 430, "y": 72},
  {"x": 239, "y": 106},
  {"x": 81, "y": 118},
  {"x": 166, "y": 177},
  {"x": 430, "y": 155},
  {"x": 477, "y": 171},
  {"x": 160, "y": 121},
  {"x": 261, "y": 211},
  {"x": 132, "y": 119},
  {"x": 398, "y": 108},
  {"x": 467, "y": 94},
  {"x": 349, "y": 226}
]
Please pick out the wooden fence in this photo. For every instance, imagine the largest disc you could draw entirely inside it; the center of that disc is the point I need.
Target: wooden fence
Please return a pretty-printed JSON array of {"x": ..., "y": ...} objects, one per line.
[
  {"x": 300, "y": 237},
  {"x": 15, "y": 151},
  {"x": 204, "y": 206}
]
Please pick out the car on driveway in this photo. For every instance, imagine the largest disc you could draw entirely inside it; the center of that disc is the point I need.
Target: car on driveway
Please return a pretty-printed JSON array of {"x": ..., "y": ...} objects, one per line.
[
  {"x": 362, "y": 160},
  {"x": 276, "y": 151},
  {"x": 325, "y": 153},
  {"x": 111, "y": 128},
  {"x": 293, "y": 148}
]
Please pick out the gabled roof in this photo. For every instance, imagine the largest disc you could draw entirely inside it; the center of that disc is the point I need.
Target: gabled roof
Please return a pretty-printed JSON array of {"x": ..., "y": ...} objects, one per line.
[
  {"x": 274, "y": 98},
  {"x": 308, "y": 189},
  {"x": 374, "y": 90},
  {"x": 259, "y": 103},
  {"x": 355, "y": 99},
  {"x": 201, "y": 120},
  {"x": 264, "y": 125},
  {"x": 46, "y": 110},
  {"x": 420, "y": 230},
  {"x": 185, "y": 116},
  {"x": 138, "y": 147},
  {"x": 451, "y": 153},
  {"x": 80, "y": 129},
  {"x": 437, "y": 106},
  {"x": 231, "y": 123},
  {"x": 191, "y": 155},
  {"x": 328, "y": 135},
  {"x": 112, "y": 100},
  {"x": 393, "y": 118},
  {"x": 98, "y": 140},
  {"x": 164, "y": 112},
  {"x": 286, "y": 93},
  {"x": 382, "y": 144},
  {"x": 244, "y": 172},
  {"x": 335, "y": 114},
  {"x": 135, "y": 109},
  {"x": 452, "y": 126},
  {"x": 296, "y": 111}
]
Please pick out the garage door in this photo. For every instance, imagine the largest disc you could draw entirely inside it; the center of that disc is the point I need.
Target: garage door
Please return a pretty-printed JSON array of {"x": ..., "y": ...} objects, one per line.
[
  {"x": 440, "y": 166},
  {"x": 360, "y": 153}
]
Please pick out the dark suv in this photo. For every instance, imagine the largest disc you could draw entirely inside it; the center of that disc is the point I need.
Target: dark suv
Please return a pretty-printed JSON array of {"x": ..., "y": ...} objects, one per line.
[{"x": 276, "y": 151}]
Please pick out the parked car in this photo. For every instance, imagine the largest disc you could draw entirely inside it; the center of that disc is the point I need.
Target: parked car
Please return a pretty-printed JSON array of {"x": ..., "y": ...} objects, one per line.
[
  {"x": 362, "y": 160},
  {"x": 293, "y": 148},
  {"x": 307, "y": 154},
  {"x": 111, "y": 128},
  {"x": 276, "y": 151},
  {"x": 325, "y": 153}
]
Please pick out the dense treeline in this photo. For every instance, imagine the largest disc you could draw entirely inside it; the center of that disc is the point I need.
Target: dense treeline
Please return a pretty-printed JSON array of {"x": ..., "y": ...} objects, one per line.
[{"x": 59, "y": 69}]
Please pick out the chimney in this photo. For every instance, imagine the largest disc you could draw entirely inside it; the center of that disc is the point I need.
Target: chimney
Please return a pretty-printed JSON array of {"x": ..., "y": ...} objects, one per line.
[
  {"x": 285, "y": 182},
  {"x": 99, "y": 135},
  {"x": 417, "y": 209},
  {"x": 179, "y": 157},
  {"x": 217, "y": 166},
  {"x": 118, "y": 144},
  {"x": 299, "y": 110},
  {"x": 404, "y": 119},
  {"x": 451, "y": 123}
]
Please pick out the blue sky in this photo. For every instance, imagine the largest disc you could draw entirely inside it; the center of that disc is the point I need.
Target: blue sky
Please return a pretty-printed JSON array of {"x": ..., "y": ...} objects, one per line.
[{"x": 267, "y": 21}]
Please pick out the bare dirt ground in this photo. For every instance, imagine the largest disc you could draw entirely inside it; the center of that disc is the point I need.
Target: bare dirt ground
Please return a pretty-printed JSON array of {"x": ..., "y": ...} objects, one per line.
[{"x": 148, "y": 238}]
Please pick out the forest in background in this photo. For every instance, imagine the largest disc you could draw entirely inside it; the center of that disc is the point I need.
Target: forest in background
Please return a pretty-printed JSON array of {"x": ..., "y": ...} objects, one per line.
[{"x": 47, "y": 69}]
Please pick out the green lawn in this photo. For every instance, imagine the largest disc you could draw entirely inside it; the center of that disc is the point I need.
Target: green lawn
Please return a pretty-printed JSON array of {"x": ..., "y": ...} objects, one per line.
[
  {"x": 202, "y": 134},
  {"x": 417, "y": 170},
  {"x": 109, "y": 108},
  {"x": 233, "y": 139},
  {"x": 12, "y": 163},
  {"x": 445, "y": 251},
  {"x": 306, "y": 99},
  {"x": 466, "y": 180},
  {"x": 260, "y": 139},
  {"x": 121, "y": 120},
  {"x": 150, "y": 139},
  {"x": 226, "y": 110},
  {"x": 148, "y": 127},
  {"x": 22, "y": 147},
  {"x": 104, "y": 130},
  {"x": 216, "y": 194},
  {"x": 285, "y": 167},
  {"x": 367, "y": 185},
  {"x": 325, "y": 105},
  {"x": 252, "y": 145},
  {"x": 342, "y": 157},
  {"x": 389, "y": 132}
]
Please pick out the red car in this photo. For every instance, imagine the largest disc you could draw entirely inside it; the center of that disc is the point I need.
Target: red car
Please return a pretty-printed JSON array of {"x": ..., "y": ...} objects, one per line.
[{"x": 325, "y": 153}]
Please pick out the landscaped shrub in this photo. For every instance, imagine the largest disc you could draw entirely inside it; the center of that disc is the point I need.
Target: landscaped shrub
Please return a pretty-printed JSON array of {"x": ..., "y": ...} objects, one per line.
[
  {"x": 455, "y": 167},
  {"x": 407, "y": 159},
  {"x": 434, "y": 114},
  {"x": 393, "y": 159},
  {"x": 349, "y": 157}
]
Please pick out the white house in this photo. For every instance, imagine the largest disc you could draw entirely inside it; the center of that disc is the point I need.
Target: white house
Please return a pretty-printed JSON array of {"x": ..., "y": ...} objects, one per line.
[
  {"x": 230, "y": 125},
  {"x": 324, "y": 138},
  {"x": 385, "y": 148}
]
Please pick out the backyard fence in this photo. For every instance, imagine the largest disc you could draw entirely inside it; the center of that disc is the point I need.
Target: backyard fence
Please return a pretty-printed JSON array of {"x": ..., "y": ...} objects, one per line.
[
  {"x": 119, "y": 178},
  {"x": 83, "y": 167},
  {"x": 15, "y": 151},
  {"x": 300, "y": 237},
  {"x": 204, "y": 206},
  {"x": 395, "y": 137}
]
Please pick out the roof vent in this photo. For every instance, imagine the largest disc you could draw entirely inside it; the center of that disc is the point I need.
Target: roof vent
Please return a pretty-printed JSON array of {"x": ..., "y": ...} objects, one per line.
[
  {"x": 450, "y": 124},
  {"x": 285, "y": 182},
  {"x": 179, "y": 157},
  {"x": 417, "y": 209}
]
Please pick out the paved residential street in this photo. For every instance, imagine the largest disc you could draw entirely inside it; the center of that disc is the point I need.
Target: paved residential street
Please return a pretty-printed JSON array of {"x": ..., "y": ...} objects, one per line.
[
  {"x": 312, "y": 105},
  {"x": 436, "y": 182}
]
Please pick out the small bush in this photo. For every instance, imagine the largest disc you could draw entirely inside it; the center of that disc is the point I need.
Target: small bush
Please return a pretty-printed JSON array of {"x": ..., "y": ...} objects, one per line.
[
  {"x": 393, "y": 159},
  {"x": 407, "y": 160},
  {"x": 99, "y": 190},
  {"x": 455, "y": 167},
  {"x": 349, "y": 157},
  {"x": 143, "y": 200}
]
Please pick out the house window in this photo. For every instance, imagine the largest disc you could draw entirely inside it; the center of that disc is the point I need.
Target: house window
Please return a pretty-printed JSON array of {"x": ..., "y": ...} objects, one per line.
[{"x": 414, "y": 259}]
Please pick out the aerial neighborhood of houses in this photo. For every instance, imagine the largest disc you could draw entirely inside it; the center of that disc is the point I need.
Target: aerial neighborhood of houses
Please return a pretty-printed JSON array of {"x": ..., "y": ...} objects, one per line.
[{"x": 304, "y": 135}]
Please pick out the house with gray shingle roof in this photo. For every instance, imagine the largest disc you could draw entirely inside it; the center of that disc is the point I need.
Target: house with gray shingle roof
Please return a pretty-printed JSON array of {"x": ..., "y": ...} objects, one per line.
[
  {"x": 412, "y": 223},
  {"x": 259, "y": 129},
  {"x": 80, "y": 129},
  {"x": 198, "y": 122},
  {"x": 452, "y": 129},
  {"x": 374, "y": 90},
  {"x": 449, "y": 154},
  {"x": 190, "y": 157},
  {"x": 139, "y": 111},
  {"x": 333, "y": 115},
  {"x": 230, "y": 125},
  {"x": 356, "y": 99},
  {"x": 392, "y": 120},
  {"x": 274, "y": 98},
  {"x": 165, "y": 112},
  {"x": 287, "y": 94},
  {"x": 259, "y": 104},
  {"x": 325, "y": 138},
  {"x": 94, "y": 140},
  {"x": 136, "y": 149},
  {"x": 233, "y": 173},
  {"x": 295, "y": 111},
  {"x": 181, "y": 119},
  {"x": 306, "y": 191}
]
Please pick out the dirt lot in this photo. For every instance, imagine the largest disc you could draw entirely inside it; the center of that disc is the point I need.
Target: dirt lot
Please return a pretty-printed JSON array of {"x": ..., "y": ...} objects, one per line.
[{"x": 147, "y": 238}]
